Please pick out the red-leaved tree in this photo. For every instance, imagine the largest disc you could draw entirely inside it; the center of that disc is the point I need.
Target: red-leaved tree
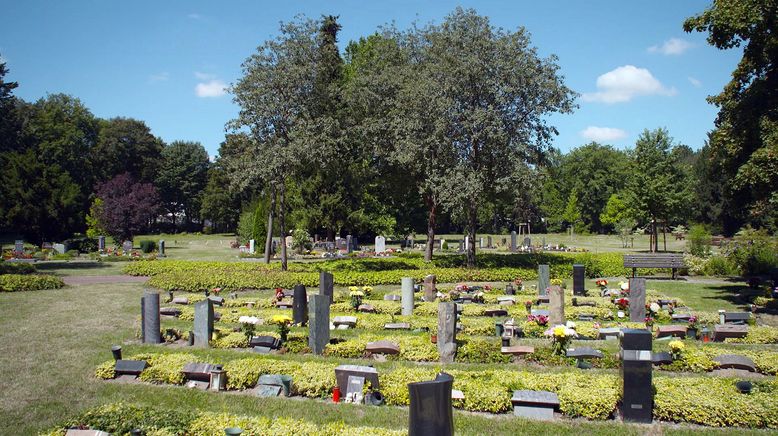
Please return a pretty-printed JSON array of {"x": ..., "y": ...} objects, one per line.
[{"x": 128, "y": 206}]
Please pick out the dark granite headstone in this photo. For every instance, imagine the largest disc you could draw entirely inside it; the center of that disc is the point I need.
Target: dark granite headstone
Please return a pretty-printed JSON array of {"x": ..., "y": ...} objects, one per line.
[
  {"x": 637, "y": 299},
  {"x": 514, "y": 241},
  {"x": 161, "y": 248},
  {"x": 170, "y": 311},
  {"x": 509, "y": 290},
  {"x": 739, "y": 318},
  {"x": 150, "y": 329},
  {"x": 495, "y": 312},
  {"x": 264, "y": 341},
  {"x": 726, "y": 361},
  {"x": 430, "y": 411},
  {"x": 382, "y": 347},
  {"x": 319, "y": 323},
  {"x": 203, "y": 323},
  {"x": 534, "y": 404},
  {"x": 216, "y": 300},
  {"x": 343, "y": 372},
  {"x": 661, "y": 358},
  {"x": 300, "y": 305},
  {"x": 101, "y": 243},
  {"x": 636, "y": 367},
  {"x": 584, "y": 353},
  {"x": 130, "y": 367},
  {"x": 326, "y": 284},
  {"x": 199, "y": 371},
  {"x": 579, "y": 280}
]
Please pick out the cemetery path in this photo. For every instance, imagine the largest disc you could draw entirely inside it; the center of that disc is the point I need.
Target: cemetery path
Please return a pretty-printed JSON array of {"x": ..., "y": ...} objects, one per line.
[{"x": 90, "y": 280}]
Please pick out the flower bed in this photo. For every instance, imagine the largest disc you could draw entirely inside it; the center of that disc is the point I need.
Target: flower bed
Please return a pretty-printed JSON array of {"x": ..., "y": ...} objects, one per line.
[{"x": 29, "y": 282}]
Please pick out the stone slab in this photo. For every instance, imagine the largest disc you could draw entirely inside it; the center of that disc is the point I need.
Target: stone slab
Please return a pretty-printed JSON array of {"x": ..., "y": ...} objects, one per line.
[
  {"x": 342, "y": 373},
  {"x": 661, "y": 358},
  {"x": 180, "y": 300},
  {"x": 170, "y": 311},
  {"x": 366, "y": 308},
  {"x": 349, "y": 321},
  {"x": 199, "y": 371},
  {"x": 527, "y": 397},
  {"x": 495, "y": 312},
  {"x": 679, "y": 331},
  {"x": 75, "y": 432},
  {"x": 723, "y": 331},
  {"x": 392, "y": 297},
  {"x": 681, "y": 317},
  {"x": 267, "y": 391},
  {"x": 584, "y": 353},
  {"x": 397, "y": 326},
  {"x": 284, "y": 304},
  {"x": 216, "y": 300},
  {"x": 735, "y": 361},
  {"x": 517, "y": 350},
  {"x": 264, "y": 341},
  {"x": 382, "y": 347},
  {"x": 130, "y": 367}
]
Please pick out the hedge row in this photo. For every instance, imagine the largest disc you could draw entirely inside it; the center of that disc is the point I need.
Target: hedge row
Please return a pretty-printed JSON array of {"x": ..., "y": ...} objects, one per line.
[
  {"x": 16, "y": 268},
  {"x": 120, "y": 418},
  {"x": 701, "y": 400},
  {"x": 29, "y": 282}
]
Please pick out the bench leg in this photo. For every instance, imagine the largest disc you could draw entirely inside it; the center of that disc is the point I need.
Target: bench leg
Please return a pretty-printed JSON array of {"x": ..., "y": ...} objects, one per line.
[
  {"x": 634, "y": 272},
  {"x": 673, "y": 273}
]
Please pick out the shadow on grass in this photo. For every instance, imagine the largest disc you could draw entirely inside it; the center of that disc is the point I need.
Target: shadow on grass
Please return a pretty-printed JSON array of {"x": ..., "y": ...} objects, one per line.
[
  {"x": 729, "y": 293},
  {"x": 75, "y": 266}
]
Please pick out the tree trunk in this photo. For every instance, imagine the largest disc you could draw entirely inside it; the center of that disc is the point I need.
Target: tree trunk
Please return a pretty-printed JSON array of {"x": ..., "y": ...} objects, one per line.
[
  {"x": 655, "y": 236},
  {"x": 472, "y": 219},
  {"x": 269, "y": 233},
  {"x": 282, "y": 222},
  {"x": 430, "y": 229},
  {"x": 664, "y": 234}
]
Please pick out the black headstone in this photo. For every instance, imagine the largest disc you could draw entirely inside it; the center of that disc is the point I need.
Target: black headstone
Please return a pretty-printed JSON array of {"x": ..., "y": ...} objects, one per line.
[
  {"x": 300, "y": 305},
  {"x": 579, "y": 280},
  {"x": 430, "y": 407},
  {"x": 326, "y": 284},
  {"x": 131, "y": 367},
  {"x": 636, "y": 367}
]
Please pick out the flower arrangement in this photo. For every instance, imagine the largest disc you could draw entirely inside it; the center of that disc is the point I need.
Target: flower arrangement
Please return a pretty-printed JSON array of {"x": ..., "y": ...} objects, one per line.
[
  {"x": 557, "y": 282},
  {"x": 283, "y": 322},
  {"x": 653, "y": 308},
  {"x": 676, "y": 349},
  {"x": 649, "y": 320},
  {"x": 518, "y": 282},
  {"x": 528, "y": 304},
  {"x": 356, "y": 298},
  {"x": 461, "y": 287},
  {"x": 216, "y": 291},
  {"x": 602, "y": 283},
  {"x": 487, "y": 288},
  {"x": 367, "y": 290},
  {"x": 248, "y": 326},
  {"x": 538, "y": 319},
  {"x": 561, "y": 336},
  {"x": 478, "y": 297},
  {"x": 622, "y": 303},
  {"x": 453, "y": 294},
  {"x": 624, "y": 287},
  {"x": 279, "y": 294},
  {"x": 693, "y": 322}
]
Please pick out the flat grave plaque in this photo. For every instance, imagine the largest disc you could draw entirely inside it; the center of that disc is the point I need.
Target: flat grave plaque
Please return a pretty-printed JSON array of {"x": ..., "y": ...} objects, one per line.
[
  {"x": 397, "y": 326},
  {"x": 534, "y": 404},
  {"x": 382, "y": 347},
  {"x": 679, "y": 331},
  {"x": 735, "y": 361},
  {"x": 130, "y": 367},
  {"x": 723, "y": 331}
]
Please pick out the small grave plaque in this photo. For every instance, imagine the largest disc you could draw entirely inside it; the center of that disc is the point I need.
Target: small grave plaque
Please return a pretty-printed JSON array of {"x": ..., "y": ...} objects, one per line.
[
  {"x": 723, "y": 331},
  {"x": 517, "y": 350},
  {"x": 397, "y": 326},
  {"x": 170, "y": 311},
  {"x": 662, "y": 358},
  {"x": 382, "y": 347},
  {"x": 180, "y": 300},
  {"x": 354, "y": 387},
  {"x": 343, "y": 372},
  {"x": 534, "y": 404},
  {"x": 610, "y": 332},
  {"x": 267, "y": 391},
  {"x": 390, "y": 297},
  {"x": 735, "y": 361},
  {"x": 284, "y": 304},
  {"x": 284, "y": 381},
  {"x": 679, "y": 331},
  {"x": 739, "y": 318},
  {"x": 585, "y": 317},
  {"x": 264, "y": 341},
  {"x": 681, "y": 317},
  {"x": 130, "y": 367},
  {"x": 216, "y": 300},
  {"x": 348, "y": 321},
  {"x": 584, "y": 353},
  {"x": 262, "y": 350},
  {"x": 540, "y": 312},
  {"x": 76, "y": 432},
  {"x": 495, "y": 312},
  {"x": 199, "y": 371}
]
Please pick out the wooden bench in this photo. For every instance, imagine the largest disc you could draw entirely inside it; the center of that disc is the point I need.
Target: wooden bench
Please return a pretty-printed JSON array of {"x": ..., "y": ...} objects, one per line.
[{"x": 673, "y": 261}]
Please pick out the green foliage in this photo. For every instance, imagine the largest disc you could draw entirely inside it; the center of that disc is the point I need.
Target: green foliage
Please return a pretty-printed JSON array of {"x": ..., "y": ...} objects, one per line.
[
  {"x": 757, "y": 335},
  {"x": 126, "y": 145},
  {"x": 301, "y": 240},
  {"x": 220, "y": 204},
  {"x": 147, "y": 246},
  {"x": 699, "y": 240},
  {"x": 93, "y": 226},
  {"x": 615, "y": 211},
  {"x": 572, "y": 213},
  {"x": 754, "y": 252},
  {"x": 119, "y": 418},
  {"x": 29, "y": 282},
  {"x": 16, "y": 268},
  {"x": 182, "y": 176}
]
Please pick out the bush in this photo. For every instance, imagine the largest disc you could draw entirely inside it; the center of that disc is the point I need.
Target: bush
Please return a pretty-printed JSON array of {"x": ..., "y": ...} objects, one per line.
[
  {"x": 29, "y": 282},
  {"x": 147, "y": 246},
  {"x": 719, "y": 266},
  {"x": 82, "y": 244},
  {"x": 16, "y": 268},
  {"x": 699, "y": 240},
  {"x": 754, "y": 252}
]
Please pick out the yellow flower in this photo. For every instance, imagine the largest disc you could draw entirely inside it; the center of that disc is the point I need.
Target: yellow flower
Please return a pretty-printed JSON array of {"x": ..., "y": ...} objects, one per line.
[
  {"x": 367, "y": 289},
  {"x": 281, "y": 319},
  {"x": 356, "y": 293},
  {"x": 353, "y": 288},
  {"x": 677, "y": 346},
  {"x": 559, "y": 331}
]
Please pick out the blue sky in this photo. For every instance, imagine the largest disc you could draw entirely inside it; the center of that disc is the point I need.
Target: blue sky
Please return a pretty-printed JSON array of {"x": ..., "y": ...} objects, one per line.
[{"x": 166, "y": 62}]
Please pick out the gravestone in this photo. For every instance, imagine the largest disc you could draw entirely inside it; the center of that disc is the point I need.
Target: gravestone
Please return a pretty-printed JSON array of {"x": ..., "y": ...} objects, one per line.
[
  {"x": 679, "y": 331},
  {"x": 349, "y": 244},
  {"x": 219, "y": 301},
  {"x": 739, "y": 318},
  {"x": 636, "y": 367},
  {"x": 430, "y": 288},
  {"x": 203, "y": 323},
  {"x": 397, "y": 326},
  {"x": 467, "y": 243},
  {"x": 735, "y": 361},
  {"x": 149, "y": 306},
  {"x": 382, "y": 347},
  {"x": 101, "y": 243},
  {"x": 609, "y": 333},
  {"x": 60, "y": 248},
  {"x": 557, "y": 302},
  {"x": 391, "y": 297},
  {"x": 661, "y": 358},
  {"x": 430, "y": 410},
  {"x": 509, "y": 290},
  {"x": 161, "y": 248},
  {"x": 300, "y": 305},
  {"x": 513, "y": 241},
  {"x": 579, "y": 280},
  {"x": 637, "y": 299},
  {"x": 180, "y": 300},
  {"x": 199, "y": 371},
  {"x": 265, "y": 341},
  {"x": 723, "y": 331},
  {"x": 380, "y": 244},
  {"x": 534, "y": 404},
  {"x": 347, "y": 321},
  {"x": 127, "y": 246},
  {"x": 318, "y": 323},
  {"x": 481, "y": 243},
  {"x": 527, "y": 242},
  {"x": 488, "y": 242},
  {"x": 354, "y": 387},
  {"x": 540, "y": 312},
  {"x": 447, "y": 320},
  {"x": 343, "y": 372},
  {"x": 543, "y": 279},
  {"x": 170, "y": 311},
  {"x": 407, "y": 296},
  {"x": 130, "y": 367},
  {"x": 326, "y": 285},
  {"x": 289, "y": 241}
]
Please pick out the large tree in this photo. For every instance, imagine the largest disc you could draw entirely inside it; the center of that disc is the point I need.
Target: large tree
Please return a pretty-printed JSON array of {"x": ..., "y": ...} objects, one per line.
[
  {"x": 220, "y": 204},
  {"x": 126, "y": 145},
  {"x": 744, "y": 143},
  {"x": 183, "y": 174},
  {"x": 128, "y": 206},
  {"x": 496, "y": 92}
]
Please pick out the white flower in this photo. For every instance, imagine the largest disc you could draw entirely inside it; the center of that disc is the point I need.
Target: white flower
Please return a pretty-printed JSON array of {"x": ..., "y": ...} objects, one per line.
[
  {"x": 570, "y": 325},
  {"x": 248, "y": 320},
  {"x": 624, "y": 286},
  {"x": 654, "y": 307}
]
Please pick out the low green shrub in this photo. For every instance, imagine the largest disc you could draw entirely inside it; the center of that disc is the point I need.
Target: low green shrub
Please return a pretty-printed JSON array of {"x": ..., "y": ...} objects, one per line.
[
  {"x": 29, "y": 282},
  {"x": 757, "y": 335},
  {"x": 147, "y": 246},
  {"x": 16, "y": 268}
]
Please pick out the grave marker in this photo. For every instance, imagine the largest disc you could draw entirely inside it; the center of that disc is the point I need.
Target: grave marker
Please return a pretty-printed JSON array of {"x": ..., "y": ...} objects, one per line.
[
  {"x": 557, "y": 301},
  {"x": 579, "y": 280},
  {"x": 636, "y": 367},
  {"x": 149, "y": 305},
  {"x": 203, "y": 323},
  {"x": 543, "y": 279},
  {"x": 349, "y": 244},
  {"x": 101, "y": 243},
  {"x": 407, "y": 296},
  {"x": 380, "y": 244},
  {"x": 447, "y": 320},
  {"x": 637, "y": 299},
  {"x": 300, "y": 305},
  {"x": 319, "y": 323},
  {"x": 430, "y": 288},
  {"x": 252, "y": 246},
  {"x": 161, "y": 248},
  {"x": 534, "y": 404},
  {"x": 326, "y": 285},
  {"x": 126, "y": 246},
  {"x": 513, "y": 241},
  {"x": 430, "y": 411}
]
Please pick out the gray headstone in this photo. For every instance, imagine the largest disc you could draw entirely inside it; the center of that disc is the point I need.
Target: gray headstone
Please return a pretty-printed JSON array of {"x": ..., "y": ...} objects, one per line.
[
  {"x": 101, "y": 243},
  {"x": 161, "y": 248},
  {"x": 380, "y": 244},
  {"x": 300, "y": 305},
  {"x": 440, "y": 243},
  {"x": 354, "y": 386},
  {"x": 447, "y": 321},
  {"x": 252, "y": 246},
  {"x": 267, "y": 391},
  {"x": 150, "y": 318},
  {"x": 203, "y": 323},
  {"x": 430, "y": 288},
  {"x": 538, "y": 405},
  {"x": 318, "y": 323},
  {"x": 407, "y": 296},
  {"x": 514, "y": 242},
  {"x": 265, "y": 341},
  {"x": 342, "y": 373},
  {"x": 527, "y": 242},
  {"x": 557, "y": 301},
  {"x": 579, "y": 280},
  {"x": 584, "y": 353},
  {"x": 392, "y": 297},
  {"x": 488, "y": 242},
  {"x": 544, "y": 280},
  {"x": 349, "y": 244},
  {"x": 326, "y": 285},
  {"x": 199, "y": 371},
  {"x": 637, "y": 299},
  {"x": 467, "y": 243},
  {"x": 60, "y": 248},
  {"x": 349, "y": 321},
  {"x": 127, "y": 246},
  {"x": 481, "y": 243}
]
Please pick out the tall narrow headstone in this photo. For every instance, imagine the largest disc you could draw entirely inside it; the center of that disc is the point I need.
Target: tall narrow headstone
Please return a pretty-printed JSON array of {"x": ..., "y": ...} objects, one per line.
[
  {"x": 326, "y": 284},
  {"x": 579, "y": 280},
  {"x": 442, "y": 243},
  {"x": 19, "y": 246},
  {"x": 513, "y": 241},
  {"x": 447, "y": 330},
  {"x": 430, "y": 411},
  {"x": 488, "y": 242},
  {"x": 203, "y": 323},
  {"x": 101, "y": 243},
  {"x": 637, "y": 395},
  {"x": 556, "y": 299},
  {"x": 543, "y": 279},
  {"x": 349, "y": 244},
  {"x": 410, "y": 243},
  {"x": 150, "y": 332},
  {"x": 467, "y": 243},
  {"x": 319, "y": 323},
  {"x": 161, "y": 248},
  {"x": 430, "y": 288},
  {"x": 407, "y": 296},
  {"x": 300, "y": 305},
  {"x": 527, "y": 242},
  {"x": 637, "y": 299},
  {"x": 380, "y": 244},
  {"x": 252, "y": 246},
  {"x": 481, "y": 243}
]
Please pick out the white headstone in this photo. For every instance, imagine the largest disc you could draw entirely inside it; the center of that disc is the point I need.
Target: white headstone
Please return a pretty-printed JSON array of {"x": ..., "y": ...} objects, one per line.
[
  {"x": 380, "y": 244},
  {"x": 289, "y": 240},
  {"x": 467, "y": 243},
  {"x": 252, "y": 246}
]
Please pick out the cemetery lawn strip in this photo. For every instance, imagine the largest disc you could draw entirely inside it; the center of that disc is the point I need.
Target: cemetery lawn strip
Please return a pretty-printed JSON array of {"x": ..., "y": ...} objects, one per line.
[{"x": 704, "y": 297}]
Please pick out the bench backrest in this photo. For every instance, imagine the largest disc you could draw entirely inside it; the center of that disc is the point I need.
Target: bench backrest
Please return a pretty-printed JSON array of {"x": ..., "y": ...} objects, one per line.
[{"x": 664, "y": 260}]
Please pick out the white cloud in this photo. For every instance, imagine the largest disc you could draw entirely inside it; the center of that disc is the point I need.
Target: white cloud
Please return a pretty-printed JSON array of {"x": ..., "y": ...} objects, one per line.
[
  {"x": 211, "y": 88},
  {"x": 159, "y": 77},
  {"x": 624, "y": 83},
  {"x": 603, "y": 134},
  {"x": 673, "y": 46},
  {"x": 694, "y": 82}
]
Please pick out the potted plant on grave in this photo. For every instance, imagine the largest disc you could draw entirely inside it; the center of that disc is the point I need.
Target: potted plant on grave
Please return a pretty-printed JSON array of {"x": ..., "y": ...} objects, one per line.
[
  {"x": 519, "y": 283},
  {"x": 283, "y": 322},
  {"x": 356, "y": 297},
  {"x": 558, "y": 282},
  {"x": 248, "y": 325},
  {"x": 528, "y": 305},
  {"x": 367, "y": 290},
  {"x": 691, "y": 330},
  {"x": 622, "y": 303},
  {"x": 602, "y": 284},
  {"x": 676, "y": 349},
  {"x": 540, "y": 320},
  {"x": 478, "y": 297},
  {"x": 560, "y": 338},
  {"x": 649, "y": 320}
]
